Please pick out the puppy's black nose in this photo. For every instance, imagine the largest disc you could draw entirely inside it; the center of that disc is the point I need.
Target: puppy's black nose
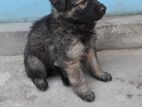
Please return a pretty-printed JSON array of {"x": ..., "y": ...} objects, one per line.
[{"x": 102, "y": 9}]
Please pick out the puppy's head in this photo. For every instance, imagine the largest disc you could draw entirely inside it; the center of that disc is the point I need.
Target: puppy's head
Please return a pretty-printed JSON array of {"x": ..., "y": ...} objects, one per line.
[{"x": 81, "y": 11}]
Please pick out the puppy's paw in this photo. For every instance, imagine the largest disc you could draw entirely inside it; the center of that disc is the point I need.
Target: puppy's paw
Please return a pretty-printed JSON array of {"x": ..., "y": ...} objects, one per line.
[
  {"x": 89, "y": 96},
  {"x": 41, "y": 84},
  {"x": 104, "y": 76}
]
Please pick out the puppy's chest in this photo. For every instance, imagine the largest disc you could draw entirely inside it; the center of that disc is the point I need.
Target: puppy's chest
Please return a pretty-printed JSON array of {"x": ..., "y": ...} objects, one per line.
[
  {"x": 66, "y": 35},
  {"x": 84, "y": 37},
  {"x": 80, "y": 45}
]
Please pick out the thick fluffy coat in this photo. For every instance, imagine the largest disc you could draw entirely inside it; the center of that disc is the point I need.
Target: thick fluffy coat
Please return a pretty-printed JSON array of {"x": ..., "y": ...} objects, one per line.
[{"x": 61, "y": 42}]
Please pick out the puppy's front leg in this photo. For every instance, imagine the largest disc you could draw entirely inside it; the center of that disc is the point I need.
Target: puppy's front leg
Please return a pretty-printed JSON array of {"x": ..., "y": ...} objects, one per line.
[
  {"x": 95, "y": 67},
  {"x": 77, "y": 80}
]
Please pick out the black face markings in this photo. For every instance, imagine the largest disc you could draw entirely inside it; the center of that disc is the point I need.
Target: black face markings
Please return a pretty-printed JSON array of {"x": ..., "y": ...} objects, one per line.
[{"x": 60, "y": 5}]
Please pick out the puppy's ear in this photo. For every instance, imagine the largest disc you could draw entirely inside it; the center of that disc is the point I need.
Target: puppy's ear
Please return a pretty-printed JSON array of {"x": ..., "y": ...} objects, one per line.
[{"x": 60, "y": 5}]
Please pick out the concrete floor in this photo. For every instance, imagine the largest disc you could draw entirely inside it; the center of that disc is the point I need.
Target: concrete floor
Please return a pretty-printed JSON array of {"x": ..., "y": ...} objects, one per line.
[{"x": 16, "y": 90}]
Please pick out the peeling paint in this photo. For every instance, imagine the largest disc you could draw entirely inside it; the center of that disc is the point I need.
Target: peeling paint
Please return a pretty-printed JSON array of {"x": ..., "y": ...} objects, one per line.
[
  {"x": 119, "y": 79},
  {"x": 130, "y": 96},
  {"x": 132, "y": 82},
  {"x": 139, "y": 85}
]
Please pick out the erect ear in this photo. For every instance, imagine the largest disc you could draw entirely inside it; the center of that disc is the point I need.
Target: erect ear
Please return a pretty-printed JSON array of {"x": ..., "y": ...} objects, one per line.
[{"x": 60, "y": 5}]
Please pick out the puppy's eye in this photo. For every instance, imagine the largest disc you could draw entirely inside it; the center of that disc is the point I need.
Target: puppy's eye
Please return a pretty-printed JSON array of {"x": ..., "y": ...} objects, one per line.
[{"x": 82, "y": 4}]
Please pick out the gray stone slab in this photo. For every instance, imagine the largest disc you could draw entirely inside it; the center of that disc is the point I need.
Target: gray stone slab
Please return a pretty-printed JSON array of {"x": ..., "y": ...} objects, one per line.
[{"x": 113, "y": 33}]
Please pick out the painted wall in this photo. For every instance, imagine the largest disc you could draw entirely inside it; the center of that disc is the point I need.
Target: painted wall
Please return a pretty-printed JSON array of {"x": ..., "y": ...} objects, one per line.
[
  {"x": 30, "y": 10},
  {"x": 23, "y": 10},
  {"x": 123, "y": 7}
]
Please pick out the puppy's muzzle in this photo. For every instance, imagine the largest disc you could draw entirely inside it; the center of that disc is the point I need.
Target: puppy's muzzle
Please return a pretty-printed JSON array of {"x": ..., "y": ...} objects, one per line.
[{"x": 101, "y": 8}]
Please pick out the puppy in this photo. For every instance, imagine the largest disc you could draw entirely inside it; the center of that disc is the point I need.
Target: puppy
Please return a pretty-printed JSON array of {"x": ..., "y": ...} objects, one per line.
[{"x": 61, "y": 42}]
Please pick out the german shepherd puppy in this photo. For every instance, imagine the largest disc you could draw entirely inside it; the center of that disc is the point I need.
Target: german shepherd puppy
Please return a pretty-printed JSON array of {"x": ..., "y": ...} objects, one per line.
[{"x": 62, "y": 42}]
